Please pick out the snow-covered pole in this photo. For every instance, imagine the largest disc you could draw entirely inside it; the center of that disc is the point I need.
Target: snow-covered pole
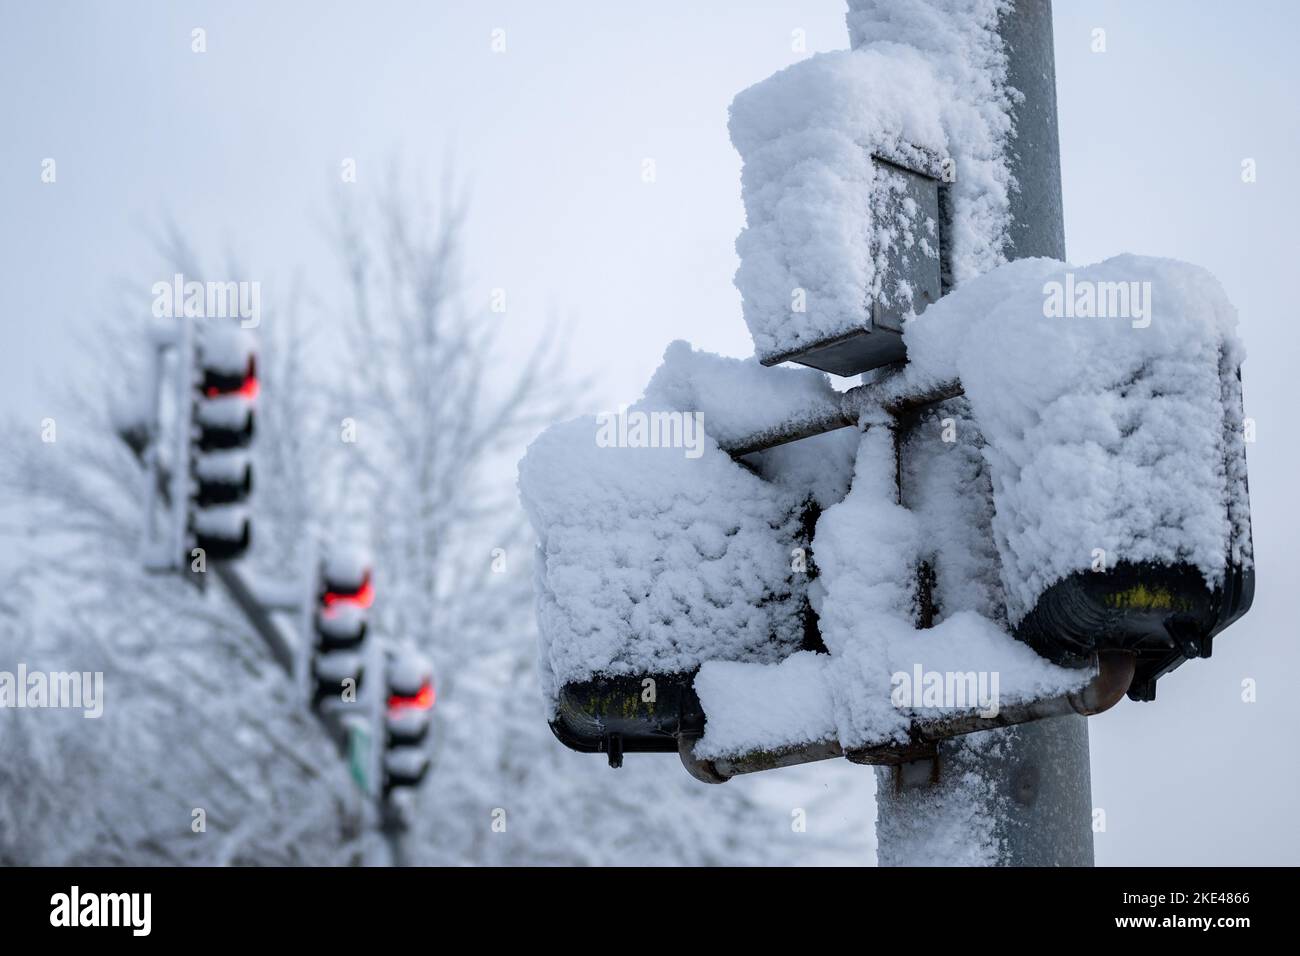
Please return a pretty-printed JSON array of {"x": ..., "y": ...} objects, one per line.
[
  {"x": 1027, "y": 788},
  {"x": 181, "y": 468}
]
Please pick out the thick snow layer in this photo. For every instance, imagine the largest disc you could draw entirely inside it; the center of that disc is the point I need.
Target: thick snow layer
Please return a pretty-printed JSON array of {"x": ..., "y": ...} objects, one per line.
[
  {"x": 343, "y": 621},
  {"x": 737, "y": 397},
  {"x": 1101, "y": 434},
  {"x": 407, "y": 722},
  {"x": 226, "y": 348},
  {"x": 1094, "y": 432},
  {"x": 652, "y": 561},
  {"x": 765, "y": 706},
  {"x": 866, "y": 549},
  {"x": 947, "y": 486},
  {"x": 224, "y": 411},
  {"x": 228, "y": 467},
  {"x": 1104, "y": 431},
  {"x": 408, "y": 672},
  {"x": 406, "y": 761},
  {"x": 346, "y": 567},
  {"x": 820, "y": 467},
  {"x": 222, "y": 521},
  {"x": 925, "y": 83},
  {"x": 337, "y": 666},
  {"x": 656, "y": 559}
]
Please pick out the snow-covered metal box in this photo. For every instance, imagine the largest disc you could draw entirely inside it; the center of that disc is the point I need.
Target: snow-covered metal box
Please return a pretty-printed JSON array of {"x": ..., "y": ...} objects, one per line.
[{"x": 907, "y": 259}]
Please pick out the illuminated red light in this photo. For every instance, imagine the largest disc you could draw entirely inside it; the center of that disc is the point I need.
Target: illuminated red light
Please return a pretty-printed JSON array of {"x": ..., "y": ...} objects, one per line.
[
  {"x": 421, "y": 701},
  {"x": 364, "y": 596},
  {"x": 248, "y": 389}
]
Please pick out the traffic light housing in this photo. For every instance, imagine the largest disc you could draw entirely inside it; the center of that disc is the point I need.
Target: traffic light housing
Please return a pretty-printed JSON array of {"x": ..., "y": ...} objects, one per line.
[
  {"x": 1133, "y": 621},
  {"x": 1162, "y": 613},
  {"x": 344, "y": 594},
  {"x": 408, "y": 712},
  {"x": 331, "y": 674},
  {"x": 343, "y": 601},
  {"x": 615, "y": 715},
  {"x": 220, "y": 466}
]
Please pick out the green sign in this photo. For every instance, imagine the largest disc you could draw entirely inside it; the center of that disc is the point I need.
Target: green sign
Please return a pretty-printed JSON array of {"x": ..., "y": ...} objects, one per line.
[{"x": 359, "y": 755}]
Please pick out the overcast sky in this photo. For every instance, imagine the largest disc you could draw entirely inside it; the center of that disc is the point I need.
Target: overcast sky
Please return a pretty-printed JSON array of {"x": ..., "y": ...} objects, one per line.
[{"x": 242, "y": 146}]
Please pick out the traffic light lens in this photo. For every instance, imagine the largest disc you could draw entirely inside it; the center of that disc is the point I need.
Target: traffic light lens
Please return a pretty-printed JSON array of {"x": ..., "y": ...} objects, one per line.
[
  {"x": 421, "y": 701},
  {"x": 248, "y": 390},
  {"x": 364, "y": 596}
]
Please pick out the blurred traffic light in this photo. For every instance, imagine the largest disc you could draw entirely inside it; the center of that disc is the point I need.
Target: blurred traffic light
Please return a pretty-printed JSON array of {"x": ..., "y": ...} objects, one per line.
[
  {"x": 344, "y": 594},
  {"x": 220, "y": 464},
  {"x": 408, "y": 715}
]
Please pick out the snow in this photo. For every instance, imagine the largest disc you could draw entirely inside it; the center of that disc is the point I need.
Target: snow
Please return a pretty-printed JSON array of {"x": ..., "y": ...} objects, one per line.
[
  {"x": 346, "y": 567},
  {"x": 654, "y": 561},
  {"x": 651, "y": 561},
  {"x": 866, "y": 549},
  {"x": 738, "y": 397},
  {"x": 228, "y": 466},
  {"x": 1093, "y": 432},
  {"x": 931, "y": 88},
  {"x": 408, "y": 672},
  {"x": 224, "y": 411},
  {"x": 343, "y": 621},
  {"x": 406, "y": 762},
  {"x": 765, "y": 706},
  {"x": 1099, "y": 433},
  {"x": 1074, "y": 434},
  {"x": 820, "y": 467},
  {"x": 76, "y": 797},
  {"x": 222, "y": 521},
  {"x": 226, "y": 348},
  {"x": 337, "y": 666},
  {"x": 407, "y": 722},
  {"x": 961, "y": 822},
  {"x": 947, "y": 487}
]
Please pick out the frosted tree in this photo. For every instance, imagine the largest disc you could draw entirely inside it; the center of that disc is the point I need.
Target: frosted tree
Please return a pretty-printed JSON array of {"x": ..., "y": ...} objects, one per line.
[
  {"x": 201, "y": 755},
  {"x": 205, "y": 753}
]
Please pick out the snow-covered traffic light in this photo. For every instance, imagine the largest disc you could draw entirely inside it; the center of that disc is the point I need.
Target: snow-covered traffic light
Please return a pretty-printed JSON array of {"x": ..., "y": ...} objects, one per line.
[
  {"x": 344, "y": 594},
  {"x": 1162, "y": 612},
  {"x": 221, "y": 471},
  {"x": 408, "y": 712}
]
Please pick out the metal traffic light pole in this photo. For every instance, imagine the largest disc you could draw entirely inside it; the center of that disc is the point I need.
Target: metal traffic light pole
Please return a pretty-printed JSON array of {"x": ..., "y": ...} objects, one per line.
[{"x": 1032, "y": 781}]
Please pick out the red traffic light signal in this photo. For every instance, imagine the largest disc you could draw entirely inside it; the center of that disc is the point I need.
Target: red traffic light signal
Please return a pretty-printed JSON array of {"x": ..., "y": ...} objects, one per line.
[
  {"x": 362, "y": 596},
  {"x": 411, "y": 697},
  {"x": 220, "y": 469},
  {"x": 423, "y": 699},
  {"x": 344, "y": 594}
]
